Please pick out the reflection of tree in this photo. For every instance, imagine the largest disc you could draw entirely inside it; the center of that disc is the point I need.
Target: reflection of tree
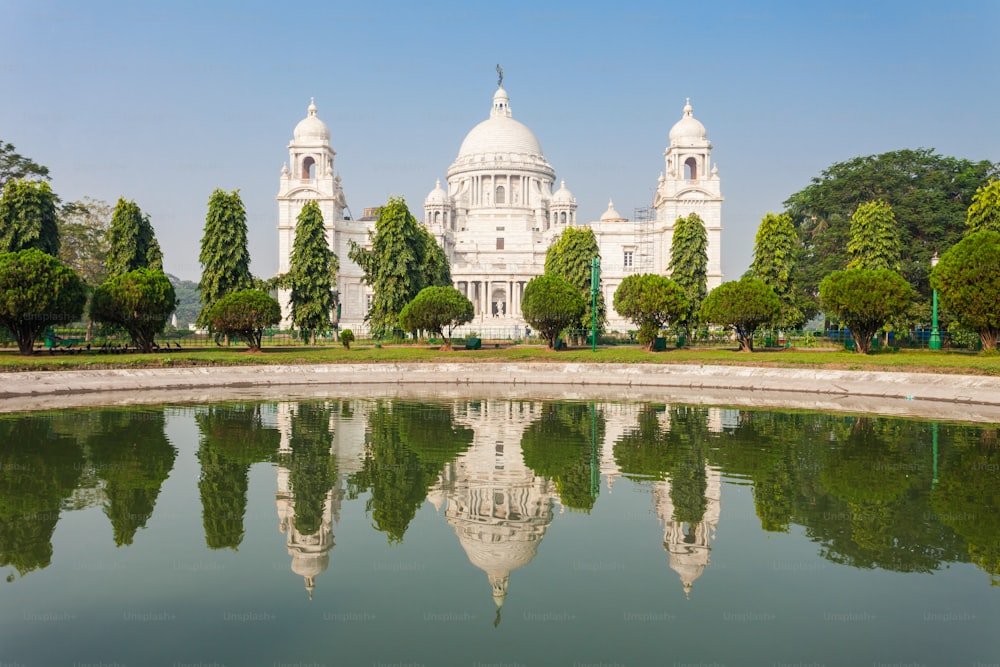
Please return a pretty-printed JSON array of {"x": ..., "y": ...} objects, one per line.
[
  {"x": 654, "y": 450},
  {"x": 859, "y": 486},
  {"x": 38, "y": 470},
  {"x": 967, "y": 499},
  {"x": 312, "y": 469},
  {"x": 406, "y": 446},
  {"x": 233, "y": 438},
  {"x": 133, "y": 457},
  {"x": 559, "y": 447}
]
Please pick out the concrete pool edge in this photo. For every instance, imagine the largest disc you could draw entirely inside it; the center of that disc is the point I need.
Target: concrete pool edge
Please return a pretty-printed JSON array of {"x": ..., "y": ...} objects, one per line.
[{"x": 937, "y": 396}]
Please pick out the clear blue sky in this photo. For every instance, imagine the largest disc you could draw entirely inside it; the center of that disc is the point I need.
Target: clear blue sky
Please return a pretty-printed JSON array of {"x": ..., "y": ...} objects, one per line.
[{"x": 163, "y": 102}]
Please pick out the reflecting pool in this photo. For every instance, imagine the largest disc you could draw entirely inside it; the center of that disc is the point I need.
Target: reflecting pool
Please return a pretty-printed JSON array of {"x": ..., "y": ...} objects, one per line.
[{"x": 495, "y": 532}]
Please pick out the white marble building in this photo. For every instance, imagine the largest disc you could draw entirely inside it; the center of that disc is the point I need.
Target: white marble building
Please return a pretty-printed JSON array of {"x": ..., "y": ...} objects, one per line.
[{"x": 499, "y": 210}]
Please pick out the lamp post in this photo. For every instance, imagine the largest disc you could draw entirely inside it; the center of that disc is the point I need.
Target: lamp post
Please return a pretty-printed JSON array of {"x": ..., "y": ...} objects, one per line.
[
  {"x": 595, "y": 286},
  {"x": 935, "y": 341}
]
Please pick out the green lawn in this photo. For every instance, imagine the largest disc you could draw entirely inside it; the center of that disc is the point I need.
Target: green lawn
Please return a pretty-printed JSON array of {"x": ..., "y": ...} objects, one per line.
[{"x": 903, "y": 360}]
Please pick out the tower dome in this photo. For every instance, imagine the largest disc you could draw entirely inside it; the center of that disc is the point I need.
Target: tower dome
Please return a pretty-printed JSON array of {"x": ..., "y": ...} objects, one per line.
[
  {"x": 563, "y": 195},
  {"x": 688, "y": 130},
  {"x": 500, "y": 133},
  {"x": 611, "y": 215},
  {"x": 437, "y": 196},
  {"x": 311, "y": 128}
]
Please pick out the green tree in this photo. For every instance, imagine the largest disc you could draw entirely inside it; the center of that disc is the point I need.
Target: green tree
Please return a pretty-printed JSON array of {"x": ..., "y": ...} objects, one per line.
[
  {"x": 245, "y": 313},
  {"x": 437, "y": 268},
  {"x": 742, "y": 305},
  {"x": 225, "y": 260},
  {"x": 83, "y": 238},
  {"x": 968, "y": 280},
  {"x": 400, "y": 263},
  {"x": 689, "y": 265},
  {"x": 188, "y": 301},
  {"x": 775, "y": 252},
  {"x": 139, "y": 301},
  {"x": 435, "y": 309},
  {"x": 984, "y": 211},
  {"x": 874, "y": 240},
  {"x": 28, "y": 217},
  {"x": 37, "y": 291},
  {"x": 929, "y": 194},
  {"x": 131, "y": 240},
  {"x": 16, "y": 167},
  {"x": 312, "y": 469},
  {"x": 312, "y": 273},
  {"x": 551, "y": 304},
  {"x": 865, "y": 300},
  {"x": 571, "y": 258},
  {"x": 650, "y": 301}
]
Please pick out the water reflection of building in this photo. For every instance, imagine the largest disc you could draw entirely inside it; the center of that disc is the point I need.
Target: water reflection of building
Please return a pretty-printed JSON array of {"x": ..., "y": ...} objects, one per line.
[
  {"x": 498, "y": 507},
  {"x": 310, "y": 552},
  {"x": 689, "y": 545}
]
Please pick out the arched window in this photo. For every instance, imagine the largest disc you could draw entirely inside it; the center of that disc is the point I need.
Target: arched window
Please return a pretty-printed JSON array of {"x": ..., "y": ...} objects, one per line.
[
  {"x": 437, "y": 218},
  {"x": 562, "y": 217},
  {"x": 309, "y": 168},
  {"x": 500, "y": 195},
  {"x": 691, "y": 169}
]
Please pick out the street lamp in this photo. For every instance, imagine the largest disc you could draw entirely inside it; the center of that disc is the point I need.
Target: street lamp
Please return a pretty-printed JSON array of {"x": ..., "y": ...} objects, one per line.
[{"x": 935, "y": 341}]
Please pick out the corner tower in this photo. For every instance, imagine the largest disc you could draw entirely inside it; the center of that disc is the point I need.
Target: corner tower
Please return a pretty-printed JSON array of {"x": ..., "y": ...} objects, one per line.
[
  {"x": 690, "y": 184},
  {"x": 307, "y": 176}
]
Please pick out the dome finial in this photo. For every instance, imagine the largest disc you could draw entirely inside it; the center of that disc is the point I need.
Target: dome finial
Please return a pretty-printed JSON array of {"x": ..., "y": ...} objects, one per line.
[
  {"x": 312, "y": 106},
  {"x": 688, "y": 109}
]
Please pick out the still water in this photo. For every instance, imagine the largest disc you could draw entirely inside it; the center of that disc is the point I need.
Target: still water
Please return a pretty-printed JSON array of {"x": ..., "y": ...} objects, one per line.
[{"x": 495, "y": 533}]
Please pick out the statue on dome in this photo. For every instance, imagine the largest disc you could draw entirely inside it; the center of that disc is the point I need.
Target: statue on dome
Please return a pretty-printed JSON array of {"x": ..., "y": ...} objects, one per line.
[{"x": 500, "y": 72}]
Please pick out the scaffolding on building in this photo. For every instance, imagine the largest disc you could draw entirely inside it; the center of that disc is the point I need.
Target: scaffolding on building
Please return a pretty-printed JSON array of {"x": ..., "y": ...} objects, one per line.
[{"x": 643, "y": 225}]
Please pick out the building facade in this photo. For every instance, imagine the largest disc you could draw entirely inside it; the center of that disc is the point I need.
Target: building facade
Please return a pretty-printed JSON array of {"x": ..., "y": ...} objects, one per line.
[{"x": 499, "y": 210}]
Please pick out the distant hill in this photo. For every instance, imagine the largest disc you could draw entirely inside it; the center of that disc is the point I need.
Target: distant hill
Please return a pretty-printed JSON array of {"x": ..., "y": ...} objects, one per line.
[{"x": 188, "y": 301}]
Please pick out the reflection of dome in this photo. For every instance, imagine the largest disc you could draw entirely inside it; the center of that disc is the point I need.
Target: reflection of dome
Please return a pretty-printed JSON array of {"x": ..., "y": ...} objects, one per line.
[
  {"x": 688, "y": 130},
  {"x": 309, "y": 566},
  {"x": 499, "y": 134},
  {"x": 437, "y": 196},
  {"x": 311, "y": 128},
  {"x": 611, "y": 215}
]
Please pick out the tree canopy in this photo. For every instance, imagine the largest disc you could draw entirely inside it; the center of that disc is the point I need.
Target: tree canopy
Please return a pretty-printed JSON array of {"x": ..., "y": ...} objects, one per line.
[
  {"x": 28, "y": 217},
  {"x": 403, "y": 259},
  {"x": 741, "y": 305},
  {"x": 37, "y": 291},
  {"x": 312, "y": 273},
  {"x": 14, "y": 166},
  {"x": 968, "y": 280},
  {"x": 776, "y": 251},
  {"x": 929, "y": 194},
  {"x": 83, "y": 238},
  {"x": 140, "y": 302},
  {"x": 225, "y": 259},
  {"x": 132, "y": 242},
  {"x": 571, "y": 258},
  {"x": 984, "y": 211},
  {"x": 865, "y": 300},
  {"x": 551, "y": 304},
  {"x": 437, "y": 310},
  {"x": 245, "y": 313},
  {"x": 650, "y": 301},
  {"x": 689, "y": 264}
]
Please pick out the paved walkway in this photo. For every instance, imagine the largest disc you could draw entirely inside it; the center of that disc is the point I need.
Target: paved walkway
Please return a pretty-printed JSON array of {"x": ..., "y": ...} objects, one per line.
[{"x": 953, "y": 397}]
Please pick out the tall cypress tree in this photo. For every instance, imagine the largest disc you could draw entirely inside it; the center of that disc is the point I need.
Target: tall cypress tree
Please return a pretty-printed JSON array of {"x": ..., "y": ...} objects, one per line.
[
  {"x": 775, "y": 251},
  {"x": 28, "y": 217},
  {"x": 312, "y": 273},
  {"x": 396, "y": 265},
  {"x": 571, "y": 258},
  {"x": 225, "y": 260},
  {"x": 689, "y": 264},
  {"x": 874, "y": 242},
  {"x": 132, "y": 241}
]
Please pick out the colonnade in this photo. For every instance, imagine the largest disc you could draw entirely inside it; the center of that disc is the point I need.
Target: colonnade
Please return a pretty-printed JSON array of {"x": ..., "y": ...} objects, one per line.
[{"x": 493, "y": 298}]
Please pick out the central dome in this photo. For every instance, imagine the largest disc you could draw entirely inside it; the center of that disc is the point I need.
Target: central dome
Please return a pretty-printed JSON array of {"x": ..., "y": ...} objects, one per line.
[{"x": 500, "y": 134}]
